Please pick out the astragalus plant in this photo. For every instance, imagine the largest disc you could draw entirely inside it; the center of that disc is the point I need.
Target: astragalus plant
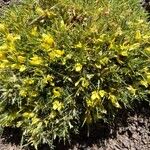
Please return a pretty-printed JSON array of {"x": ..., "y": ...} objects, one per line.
[{"x": 68, "y": 63}]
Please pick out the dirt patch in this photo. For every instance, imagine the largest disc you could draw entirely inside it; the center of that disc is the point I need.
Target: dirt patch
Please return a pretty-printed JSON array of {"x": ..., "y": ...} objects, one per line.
[{"x": 10, "y": 139}]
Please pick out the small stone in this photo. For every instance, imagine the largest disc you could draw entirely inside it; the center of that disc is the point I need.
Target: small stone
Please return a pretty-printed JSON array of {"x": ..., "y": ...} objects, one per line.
[
  {"x": 133, "y": 128},
  {"x": 133, "y": 148},
  {"x": 135, "y": 136}
]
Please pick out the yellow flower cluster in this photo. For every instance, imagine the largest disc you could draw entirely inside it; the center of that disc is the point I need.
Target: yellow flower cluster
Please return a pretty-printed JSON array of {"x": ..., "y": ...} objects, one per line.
[
  {"x": 36, "y": 60},
  {"x": 34, "y": 31},
  {"x": 53, "y": 54},
  {"x": 28, "y": 81},
  {"x": 57, "y": 105},
  {"x": 78, "y": 67},
  {"x": 2, "y": 27},
  {"x": 12, "y": 37},
  {"x": 23, "y": 92},
  {"x": 8, "y": 48},
  {"x": 28, "y": 93},
  {"x": 96, "y": 97},
  {"x": 47, "y": 41},
  {"x": 138, "y": 35},
  {"x": 44, "y": 13},
  {"x": 57, "y": 91},
  {"x": 48, "y": 44},
  {"x": 48, "y": 79}
]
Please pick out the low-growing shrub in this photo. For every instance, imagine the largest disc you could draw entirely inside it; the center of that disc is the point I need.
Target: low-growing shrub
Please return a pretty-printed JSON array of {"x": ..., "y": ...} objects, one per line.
[{"x": 66, "y": 63}]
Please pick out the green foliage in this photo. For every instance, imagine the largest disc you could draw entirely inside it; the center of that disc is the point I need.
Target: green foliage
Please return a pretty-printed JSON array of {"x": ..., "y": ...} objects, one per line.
[{"x": 64, "y": 63}]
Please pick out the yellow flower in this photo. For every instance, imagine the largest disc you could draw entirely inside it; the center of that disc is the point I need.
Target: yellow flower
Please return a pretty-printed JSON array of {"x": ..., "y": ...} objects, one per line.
[
  {"x": 28, "y": 115},
  {"x": 101, "y": 38},
  {"x": 47, "y": 41},
  {"x": 95, "y": 95},
  {"x": 57, "y": 105},
  {"x": 148, "y": 77},
  {"x": 138, "y": 35},
  {"x": 23, "y": 93},
  {"x": 33, "y": 94},
  {"x": 49, "y": 14},
  {"x": 90, "y": 103},
  {"x": 34, "y": 31},
  {"x": 22, "y": 68},
  {"x": 35, "y": 120},
  {"x": 131, "y": 89},
  {"x": 98, "y": 65},
  {"x": 55, "y": 54},
  {"x": 12, "y": 37},
  {"x": 46, "y": 46},
  {"x": 4, "y": 47},
  {"x": 2, "y": 55},
  {"x": 40, "y": 11},
  {"x": 47, "y": 79},
  {"x": 28, "y": 81},
  {"x": 79, "y": 45},
  {"x": 140, "y": 21},
  {"x": 124, "y": 53},
  {"x": 85, "y": 83},
  {"x": 36, "y": 60},
  {"x": 114, "y": 100},
  {"x": 11, "y": 47},
  {"x": 144, "y": 83},
  {"x": 118, "y": 31},
  {"x": 78, "y": 67},
  {"x": 52, "y": 114},
  {"x": 145, "y": 37},
  {"x": 102, "y": 93},
  {"x": 21, "y": 59},
  {"x": 147, "y": 49},
  {"x": 15, "y": 66},
  {"x": 104, "y": 60},
  {"x": 2, "y": 27},
  {"x": 57, "y": 91},
  {"x": 59, "y": 53},
  {"x": 134, "y": 46},
  {"x": 4, "y": 64}
]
